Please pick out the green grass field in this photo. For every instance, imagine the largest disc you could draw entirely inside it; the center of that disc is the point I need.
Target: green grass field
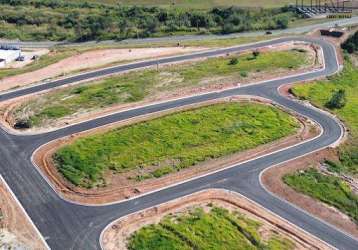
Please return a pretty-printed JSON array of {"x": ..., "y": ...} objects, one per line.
[
  {"x": 136, "y": 86},
  {"x": 198, "y": 4},
  {"x": 173, "y": 142},
  {"x": 329, "y": 189},
  {"x": 216, "y": 229}
]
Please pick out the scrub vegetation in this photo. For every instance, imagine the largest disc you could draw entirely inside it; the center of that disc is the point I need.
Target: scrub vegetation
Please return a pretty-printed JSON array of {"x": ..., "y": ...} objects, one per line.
[
  {"x": 206, "y": 230},
  {"x": 329, "y": 189},
  {"x": 173, "y": 142},
  {"x": 196, "y": 4},
  {"x": 59, "y": 20},
  {"x": 136, "y": 86}
]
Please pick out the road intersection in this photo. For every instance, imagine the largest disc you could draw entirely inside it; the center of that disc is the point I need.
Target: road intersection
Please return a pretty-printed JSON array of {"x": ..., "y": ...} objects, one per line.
[{"x": 66, "y": 225}]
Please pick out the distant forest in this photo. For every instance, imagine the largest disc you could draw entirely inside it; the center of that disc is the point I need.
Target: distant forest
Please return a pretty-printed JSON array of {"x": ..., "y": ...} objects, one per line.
[{"x": 58, "y": 20}]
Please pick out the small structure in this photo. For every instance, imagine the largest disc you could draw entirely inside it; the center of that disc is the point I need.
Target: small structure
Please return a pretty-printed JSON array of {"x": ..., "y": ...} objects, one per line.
[
  {"x": 331, "y": 32},
  {"x": 8, "y": 54}
]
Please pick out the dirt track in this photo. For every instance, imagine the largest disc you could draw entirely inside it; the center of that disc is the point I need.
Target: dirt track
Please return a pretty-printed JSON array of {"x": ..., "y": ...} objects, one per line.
[
  {"x": 121, "y": 187},
  {"x": 115, "y": 236}
]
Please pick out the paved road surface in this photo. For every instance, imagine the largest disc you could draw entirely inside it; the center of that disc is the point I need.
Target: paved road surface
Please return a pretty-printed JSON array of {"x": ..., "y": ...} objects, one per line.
[
  {"x": 296, "y": 30},
  {"x": 69, "y": 226}
]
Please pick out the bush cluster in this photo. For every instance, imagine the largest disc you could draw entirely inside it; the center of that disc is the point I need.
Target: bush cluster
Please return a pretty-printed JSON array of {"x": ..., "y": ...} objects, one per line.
[
  {"x": 351, "y": 45},
  {"x": 63, "y": 20}
]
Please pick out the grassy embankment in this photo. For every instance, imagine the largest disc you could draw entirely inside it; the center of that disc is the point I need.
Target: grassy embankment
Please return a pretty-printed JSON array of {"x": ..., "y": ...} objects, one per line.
[
  {"x": 329, "y": 189},
  {"x": 216, "y": 229},
  {"x": 173, "y": 142},
  {"x": 136, "y": 86}
]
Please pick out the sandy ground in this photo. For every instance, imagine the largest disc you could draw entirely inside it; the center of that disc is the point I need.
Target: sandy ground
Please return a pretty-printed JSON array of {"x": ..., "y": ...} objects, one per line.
[
  {"x": 16, "y": 232},
  {"x": 116, "y": 235},
  {"x": 90, "y": 60},
  {"x": 119, "y": 187},
  {"x": 7, "y": 109}
]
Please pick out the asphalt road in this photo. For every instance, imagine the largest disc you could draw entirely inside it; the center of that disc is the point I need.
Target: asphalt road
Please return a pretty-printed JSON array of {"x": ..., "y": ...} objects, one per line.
[
  {"x": 70, "y": 226},
  {"x": 295, "y": 30}
]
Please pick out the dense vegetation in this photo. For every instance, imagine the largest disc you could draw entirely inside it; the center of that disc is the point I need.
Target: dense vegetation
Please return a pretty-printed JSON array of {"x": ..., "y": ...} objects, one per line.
[
  {"x": 82, "y": 21},
  {"x": 351, "y": 44},
  {"x": 206, "y": 230},
  {"x": 196, "y": 4},
  {"x": 173, "y": 142},
  {"x": 136, "y": 86},
  {"x": 329, "y": 189}
]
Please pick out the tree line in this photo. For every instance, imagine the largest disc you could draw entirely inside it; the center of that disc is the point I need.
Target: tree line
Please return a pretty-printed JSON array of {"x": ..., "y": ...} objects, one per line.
[{"x": 62, "y": 20}]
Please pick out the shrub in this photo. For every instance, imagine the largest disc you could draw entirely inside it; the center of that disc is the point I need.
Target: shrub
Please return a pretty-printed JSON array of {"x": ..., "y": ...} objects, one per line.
[
  {"x": 255, "y": 53},
  {"x": 338, "y": 100},
  {"x": 243, "y": 73},
  {"x": 234, "y": 61},
  {"x": 23, "y": 124}
]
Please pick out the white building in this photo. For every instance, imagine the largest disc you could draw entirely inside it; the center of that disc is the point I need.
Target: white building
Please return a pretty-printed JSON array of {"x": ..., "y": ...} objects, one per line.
[{"x": 8, "y": 56}]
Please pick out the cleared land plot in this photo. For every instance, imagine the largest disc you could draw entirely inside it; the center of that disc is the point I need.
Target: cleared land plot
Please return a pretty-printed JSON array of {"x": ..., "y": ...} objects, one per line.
[
  {"x": 211, "y": 219},
  {"x": 39, "y": 68},
  {"x": 173, "y": 142},
  {"x": 148, "y": 84},
  {"x": 65, "y": 61}
]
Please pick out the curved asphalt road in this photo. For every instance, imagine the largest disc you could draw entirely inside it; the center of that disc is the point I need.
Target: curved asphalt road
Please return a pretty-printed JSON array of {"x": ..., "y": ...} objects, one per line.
[{"x": 69, "y": 226}]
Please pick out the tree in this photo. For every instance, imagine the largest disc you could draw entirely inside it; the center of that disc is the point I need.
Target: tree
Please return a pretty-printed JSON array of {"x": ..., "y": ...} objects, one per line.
[{"x": 338, "y": 100}]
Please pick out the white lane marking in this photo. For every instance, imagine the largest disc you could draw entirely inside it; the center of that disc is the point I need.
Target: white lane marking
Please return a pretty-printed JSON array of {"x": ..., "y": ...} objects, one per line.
[
  {"x": 203, "y": 191},
  {"x": 24, "y": 212}
]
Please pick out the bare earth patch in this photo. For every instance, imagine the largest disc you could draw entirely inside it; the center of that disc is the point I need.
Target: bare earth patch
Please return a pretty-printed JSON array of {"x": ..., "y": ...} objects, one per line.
[
  {"x": 120, "y": 186},
  {"x": 116, "y": 235},
  {"x": 90, "y": 60},
  {"x": 16, "y": 231},
  {"x": 314, "y": 54}
]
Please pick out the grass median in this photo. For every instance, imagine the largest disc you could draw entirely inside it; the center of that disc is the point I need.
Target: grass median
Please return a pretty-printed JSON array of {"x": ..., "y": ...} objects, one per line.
[
  {"x": 137, "y": 86},
  {"x": 216, "y": 229},
  {"x": 173, "y": 142}
]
